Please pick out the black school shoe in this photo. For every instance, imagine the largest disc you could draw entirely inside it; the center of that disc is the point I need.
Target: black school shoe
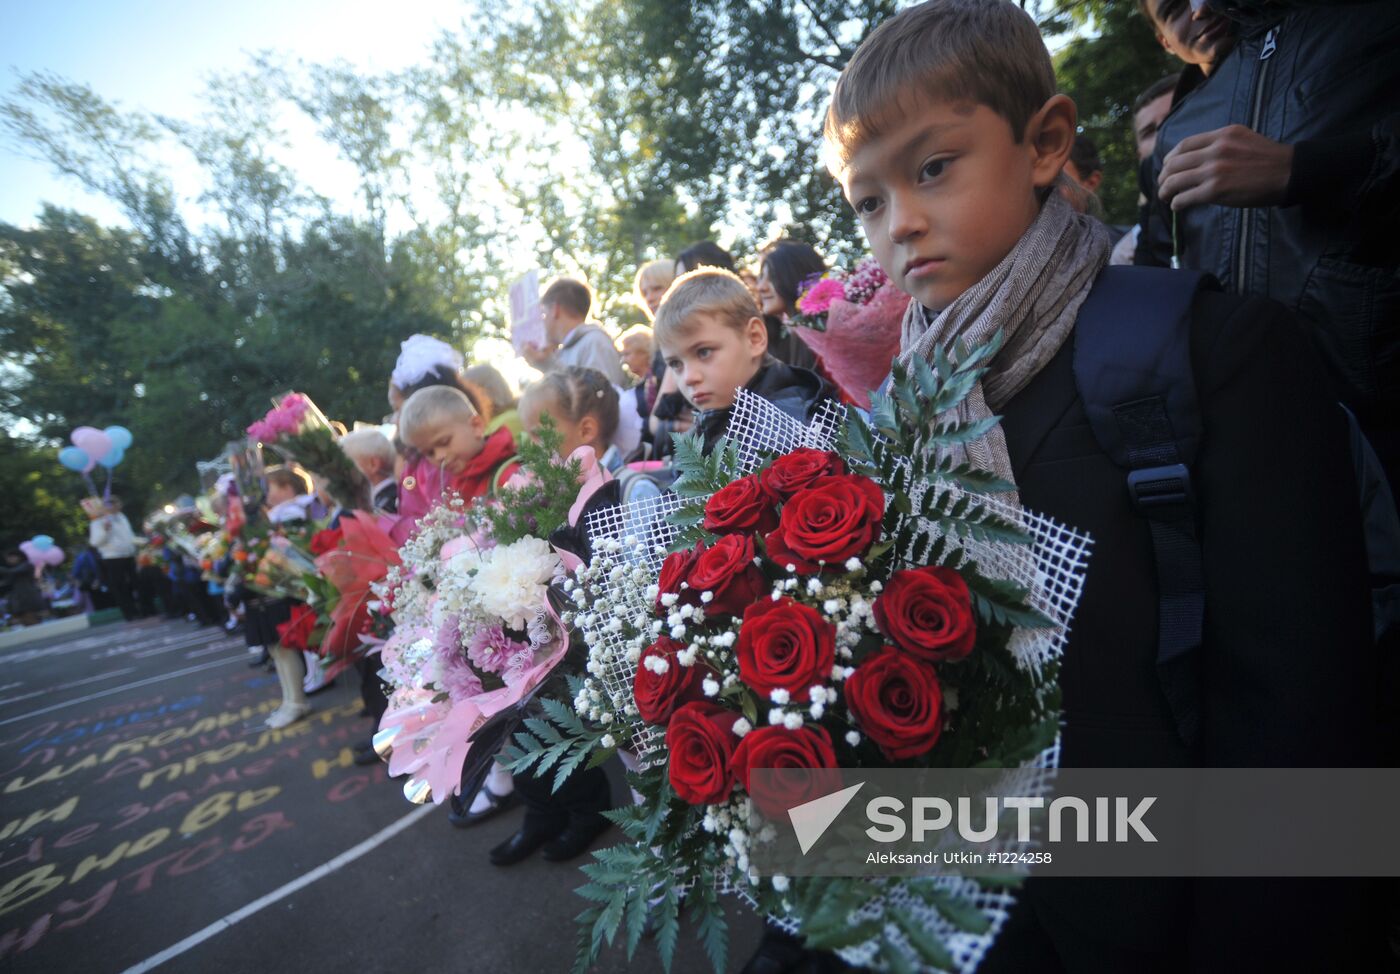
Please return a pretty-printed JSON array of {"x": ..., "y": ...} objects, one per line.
[
  {"x": 576, "y": 839},
  {"x": 524, "y": 842},
  {"x": 365, "y": 754}
]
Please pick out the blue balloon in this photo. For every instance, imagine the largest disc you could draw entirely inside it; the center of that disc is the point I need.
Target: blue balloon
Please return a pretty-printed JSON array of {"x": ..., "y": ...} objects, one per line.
[
  {"x": 114, "y": 456},
  {"x": 42, "y": 542},
  {"x": 120, "y": 436},
  {"x": 73, "y": 458}
]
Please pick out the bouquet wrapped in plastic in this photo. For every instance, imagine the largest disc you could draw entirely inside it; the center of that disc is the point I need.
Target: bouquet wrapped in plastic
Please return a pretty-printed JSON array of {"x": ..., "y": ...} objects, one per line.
[
  {"x": 842, "y": 595},
  {"x": 475, "y": 633},
  {"x": 852, "y": 322},
  {"x": 299, "y": 431}
]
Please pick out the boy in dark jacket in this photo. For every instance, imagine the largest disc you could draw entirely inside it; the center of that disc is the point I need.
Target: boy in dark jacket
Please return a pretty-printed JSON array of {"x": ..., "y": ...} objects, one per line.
[
  {"x": 947, "y": 137},
  {"x": 714, "y": 339}
]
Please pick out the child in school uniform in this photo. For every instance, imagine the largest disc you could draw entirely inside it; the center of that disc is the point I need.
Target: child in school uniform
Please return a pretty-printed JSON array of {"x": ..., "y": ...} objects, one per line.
[{"x": 714, "y": 340}]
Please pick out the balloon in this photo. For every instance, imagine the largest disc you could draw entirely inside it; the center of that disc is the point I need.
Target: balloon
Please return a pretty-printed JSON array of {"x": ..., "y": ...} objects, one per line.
[
  {"x": 95, "y": 443},
  {"x": 114, "y": 456},
  {"x": 74, "y": 459},
  {"x": 120, "y": 436},
  {"x": 42, "y": 541},
  {"x": 53, "y": 557},
  {"x": 35, "y": 556}
]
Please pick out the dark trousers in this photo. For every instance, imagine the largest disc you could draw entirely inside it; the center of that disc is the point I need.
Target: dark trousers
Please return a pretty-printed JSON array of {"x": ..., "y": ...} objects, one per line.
[
  {"x": 371, "y": 687},
  {"x": 584, "y": 793},
  {"x": 119, "y": 575}
]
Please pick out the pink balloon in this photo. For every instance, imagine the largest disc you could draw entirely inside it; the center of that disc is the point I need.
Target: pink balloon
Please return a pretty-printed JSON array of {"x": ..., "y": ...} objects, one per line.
[
  {"x": 35, "y": 556},
  {"x": 53, "y": 557},
  {"x": 95, "y": 443}
]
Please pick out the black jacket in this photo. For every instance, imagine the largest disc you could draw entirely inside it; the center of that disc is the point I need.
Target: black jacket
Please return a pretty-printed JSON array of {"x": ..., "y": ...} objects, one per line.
[
  {"x": 1287, "y": 657},
  {"x": 797, "y": 392},
  {"x": 1324, "y": 81}
]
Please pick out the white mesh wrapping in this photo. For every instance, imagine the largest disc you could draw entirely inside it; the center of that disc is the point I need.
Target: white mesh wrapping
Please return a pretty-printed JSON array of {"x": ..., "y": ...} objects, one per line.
[{"x": 1051, "y": 569}]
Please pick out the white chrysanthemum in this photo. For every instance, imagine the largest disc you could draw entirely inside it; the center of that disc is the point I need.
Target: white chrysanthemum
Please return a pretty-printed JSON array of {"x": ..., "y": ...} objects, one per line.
[{"x": 511, "y": 582}]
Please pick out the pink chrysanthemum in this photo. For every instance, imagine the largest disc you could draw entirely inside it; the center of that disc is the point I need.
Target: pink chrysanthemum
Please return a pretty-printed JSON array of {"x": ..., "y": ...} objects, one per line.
[
  {"x": 817, "y": 300},
  {"x": 457, "y": 676},
  {"x": 491, "y": 650}
]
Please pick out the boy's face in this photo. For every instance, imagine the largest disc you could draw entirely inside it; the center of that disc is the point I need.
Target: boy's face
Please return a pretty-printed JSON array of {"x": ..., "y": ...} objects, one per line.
[
  {"x": 450, "y": 441},
  {"x": 712, "y": 360},
  {"x": 1194, "y": 36},
  {"x": 945, "y": 193}
]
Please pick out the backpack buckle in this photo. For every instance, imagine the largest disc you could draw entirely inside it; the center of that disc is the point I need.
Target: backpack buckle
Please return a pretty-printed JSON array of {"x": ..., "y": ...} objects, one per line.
[{"x": 1154, "y": 488}]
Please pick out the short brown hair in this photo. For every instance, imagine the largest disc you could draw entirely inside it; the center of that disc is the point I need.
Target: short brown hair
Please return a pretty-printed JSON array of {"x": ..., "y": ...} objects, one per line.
[
  {"x": 431, "y": 405},
  {"x": 571, "y": 294},
  {"x": 708, "y": 290},
  {"x": 289, "y": 478},
  {"x": 985, "y": 51}
]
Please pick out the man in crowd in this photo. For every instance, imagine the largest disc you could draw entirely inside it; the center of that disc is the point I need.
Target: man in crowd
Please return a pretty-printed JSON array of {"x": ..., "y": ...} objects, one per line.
[
  {"x": 1280, "y": 175},
  {"x": 1149, "y": 111},
  {"x": 572, "y": 338}
]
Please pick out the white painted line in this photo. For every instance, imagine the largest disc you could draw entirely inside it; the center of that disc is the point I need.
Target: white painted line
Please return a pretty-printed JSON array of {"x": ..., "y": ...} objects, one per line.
[
  {"x": 181, "y": 644},
  {"x": 281, "y": 893},
  {"x": 68, "y": 686},
  {"x": 130, "y": 686},
  {"x": 220, "y": 647}
]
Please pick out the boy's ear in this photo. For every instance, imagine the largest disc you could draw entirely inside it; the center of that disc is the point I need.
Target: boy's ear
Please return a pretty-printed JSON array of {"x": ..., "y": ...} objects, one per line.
[
  {"x": 756, "y": 337},
  {"x": 1050, "y": 135}
]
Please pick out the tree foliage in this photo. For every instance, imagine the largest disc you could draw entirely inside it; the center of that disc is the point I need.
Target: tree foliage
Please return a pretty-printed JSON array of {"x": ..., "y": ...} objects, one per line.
[{"x": 579, "y": 137}]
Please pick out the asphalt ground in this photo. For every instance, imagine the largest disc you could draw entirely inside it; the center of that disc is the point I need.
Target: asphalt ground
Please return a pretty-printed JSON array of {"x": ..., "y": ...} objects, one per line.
[{"x": 148, "y": 821}]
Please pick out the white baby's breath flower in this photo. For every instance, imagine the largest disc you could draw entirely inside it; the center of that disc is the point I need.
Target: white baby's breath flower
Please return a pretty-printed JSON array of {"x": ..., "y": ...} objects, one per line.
[
  {"x": 779, "y": 696},
  {"x": 852, "y": 564},
  {"x": 792, "y": 721},
  {"x": 608, "y": 740},
  {"x": 710, "y": 686},
  {"x": 852, "y": 738},
  {"x": 775, "y": 716},
  {"x": 742, "y": 727}
]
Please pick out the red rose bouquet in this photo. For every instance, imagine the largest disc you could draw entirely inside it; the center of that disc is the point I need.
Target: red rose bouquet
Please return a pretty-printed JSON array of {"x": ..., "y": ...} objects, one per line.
[{"x": 869, "y": 604}]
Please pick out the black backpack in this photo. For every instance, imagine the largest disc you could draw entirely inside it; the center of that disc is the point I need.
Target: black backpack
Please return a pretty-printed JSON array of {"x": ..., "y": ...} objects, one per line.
[{"x": 1139, "y": 393}]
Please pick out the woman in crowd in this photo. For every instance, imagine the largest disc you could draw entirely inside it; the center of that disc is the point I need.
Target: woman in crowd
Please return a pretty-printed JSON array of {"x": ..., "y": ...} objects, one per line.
[{"x": 784, "y": 265}]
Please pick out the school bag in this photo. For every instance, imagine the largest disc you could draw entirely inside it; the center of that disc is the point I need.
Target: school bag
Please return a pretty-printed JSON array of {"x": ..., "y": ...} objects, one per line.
[{"x": 1139, "y": 393}]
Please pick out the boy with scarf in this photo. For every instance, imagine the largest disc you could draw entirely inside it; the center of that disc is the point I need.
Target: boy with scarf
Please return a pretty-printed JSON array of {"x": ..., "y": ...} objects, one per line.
[{"x": 948, "y": 138}]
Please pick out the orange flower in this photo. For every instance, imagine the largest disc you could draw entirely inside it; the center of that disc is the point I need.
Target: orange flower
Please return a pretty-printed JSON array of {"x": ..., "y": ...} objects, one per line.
[{"x": 240, "y": 556}]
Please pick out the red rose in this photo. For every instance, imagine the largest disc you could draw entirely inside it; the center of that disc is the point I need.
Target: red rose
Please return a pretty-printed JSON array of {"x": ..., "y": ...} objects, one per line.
[
  {"x": 835, "y": 519},
  {"x": 326, "y": 540},
  {"x": 726, "y": 570},
  {"x": 296, "y": 632},
  {"x": 785, "y": 645},
  {"x": 799, "y": 469},
  {"x": 795, "y": 755},
  {"x": 897, "y": 702},
  {"x": 701, "y": 741},
  {"x": 674, "y": 570},
  {"x": 741, "y": 506},
  {"x": 658, "y": 695},
  {"x": 927, "y": 612}
]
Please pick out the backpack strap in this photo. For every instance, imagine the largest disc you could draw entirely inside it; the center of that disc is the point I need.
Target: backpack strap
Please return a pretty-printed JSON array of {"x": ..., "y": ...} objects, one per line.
[{"x": 1132, "y": 367}]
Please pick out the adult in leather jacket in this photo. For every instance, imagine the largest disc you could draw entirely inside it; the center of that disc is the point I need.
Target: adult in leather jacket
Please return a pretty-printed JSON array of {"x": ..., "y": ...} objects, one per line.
[{"x": 1308, "y": 214}]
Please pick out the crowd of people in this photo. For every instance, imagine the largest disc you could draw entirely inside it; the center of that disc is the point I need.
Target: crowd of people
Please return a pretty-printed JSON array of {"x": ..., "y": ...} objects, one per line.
[{"x": 1236, "y": 616}]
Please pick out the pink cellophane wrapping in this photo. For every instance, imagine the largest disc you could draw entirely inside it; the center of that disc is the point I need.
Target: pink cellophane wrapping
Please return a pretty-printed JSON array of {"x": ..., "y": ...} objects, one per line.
[
  {"x": 431, "y": 743},
  {"x": 860, "y": 342}
]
